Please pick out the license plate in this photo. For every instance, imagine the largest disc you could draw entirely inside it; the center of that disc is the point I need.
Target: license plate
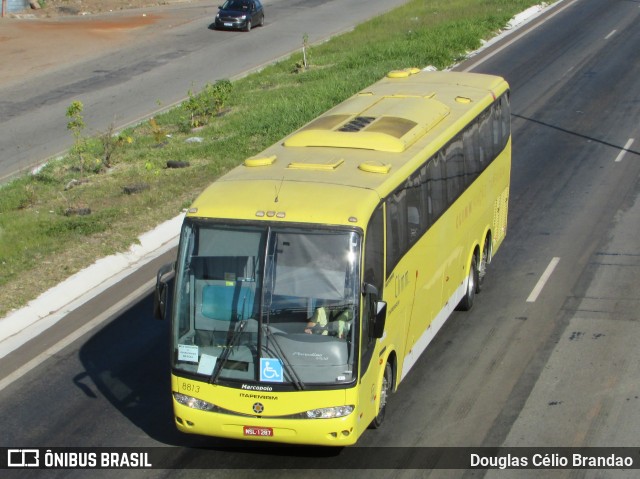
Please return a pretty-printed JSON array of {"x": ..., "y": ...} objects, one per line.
[
  {"x": 228, "y": 24},
  {"x": 258, "y": 431}
]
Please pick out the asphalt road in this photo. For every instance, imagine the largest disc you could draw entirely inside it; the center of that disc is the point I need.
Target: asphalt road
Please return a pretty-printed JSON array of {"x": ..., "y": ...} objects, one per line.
[
  {"x": 157, "y": 70},
  {"x": 548, "y": 355}
]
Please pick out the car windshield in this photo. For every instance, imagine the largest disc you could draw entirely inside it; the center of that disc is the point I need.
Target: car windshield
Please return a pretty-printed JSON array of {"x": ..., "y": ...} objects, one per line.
[
  {"x": 266, "y": 305},
  {"x": 239, "y": 5}
]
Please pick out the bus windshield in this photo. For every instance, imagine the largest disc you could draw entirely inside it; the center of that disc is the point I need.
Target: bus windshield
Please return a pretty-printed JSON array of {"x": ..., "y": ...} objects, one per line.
[{"x": 264, "y": 304}]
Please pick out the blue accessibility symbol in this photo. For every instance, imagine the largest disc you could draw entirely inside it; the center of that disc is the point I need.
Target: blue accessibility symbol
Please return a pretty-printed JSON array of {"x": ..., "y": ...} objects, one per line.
[{"x": 271, "y": 370}]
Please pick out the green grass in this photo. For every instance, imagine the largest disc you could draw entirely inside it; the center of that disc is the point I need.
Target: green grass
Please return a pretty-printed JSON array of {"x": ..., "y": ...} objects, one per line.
[{"x": 40, "y": 245}]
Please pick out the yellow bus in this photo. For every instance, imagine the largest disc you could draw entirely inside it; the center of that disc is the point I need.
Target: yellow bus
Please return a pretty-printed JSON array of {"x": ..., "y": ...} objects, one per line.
[{"x": 310, "y": 278}]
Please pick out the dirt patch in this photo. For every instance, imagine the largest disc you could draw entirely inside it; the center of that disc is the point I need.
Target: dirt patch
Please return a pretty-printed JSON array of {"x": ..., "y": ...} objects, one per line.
[
  {"x": 57, "y": 8},
  {"x": 64, "y": 32}
]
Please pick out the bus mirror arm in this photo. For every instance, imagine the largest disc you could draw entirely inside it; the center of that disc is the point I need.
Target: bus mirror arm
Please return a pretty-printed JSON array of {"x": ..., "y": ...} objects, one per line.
[
  {"x": 165, "y": 273},
  {"x": 368, "y": 289}
]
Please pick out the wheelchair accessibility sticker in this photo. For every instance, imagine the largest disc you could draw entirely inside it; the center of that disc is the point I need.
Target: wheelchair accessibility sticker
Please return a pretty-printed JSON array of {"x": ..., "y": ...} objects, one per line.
[{"x": 271, "y": 370}]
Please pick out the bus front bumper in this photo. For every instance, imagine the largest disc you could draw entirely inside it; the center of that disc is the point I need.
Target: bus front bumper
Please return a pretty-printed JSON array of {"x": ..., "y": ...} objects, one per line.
[{"x": 328, "y": 432}]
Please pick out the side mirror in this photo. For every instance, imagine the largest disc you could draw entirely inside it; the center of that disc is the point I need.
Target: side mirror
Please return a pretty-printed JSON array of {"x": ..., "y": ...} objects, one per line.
[
  {"x": 377, "y": 310},
  {"x": 380, "y": 319},
  {"x": 165, "y": 273}
]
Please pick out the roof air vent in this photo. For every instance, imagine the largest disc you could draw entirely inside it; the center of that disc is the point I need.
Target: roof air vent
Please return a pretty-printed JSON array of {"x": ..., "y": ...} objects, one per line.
[{"x": 357, "y": 124}]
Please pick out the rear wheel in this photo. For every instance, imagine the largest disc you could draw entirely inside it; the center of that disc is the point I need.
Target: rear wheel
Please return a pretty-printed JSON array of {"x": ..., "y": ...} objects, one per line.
[
  {"x": 484, "y": 261},
  {"x": 466, "y": 303},
  {"x": 385, "y": 392}
]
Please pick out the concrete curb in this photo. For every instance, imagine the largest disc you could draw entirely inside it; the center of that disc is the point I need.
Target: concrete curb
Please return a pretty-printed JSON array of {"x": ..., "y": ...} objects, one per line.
[{"x": 51, "y": 306}]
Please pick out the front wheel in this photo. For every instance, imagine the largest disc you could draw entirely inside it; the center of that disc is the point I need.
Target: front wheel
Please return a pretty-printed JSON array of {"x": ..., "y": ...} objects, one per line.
[
  {"x": 248, "y": 27},
  {"x": 466, "y": 302},
  {"x": 385, "y": 392}
]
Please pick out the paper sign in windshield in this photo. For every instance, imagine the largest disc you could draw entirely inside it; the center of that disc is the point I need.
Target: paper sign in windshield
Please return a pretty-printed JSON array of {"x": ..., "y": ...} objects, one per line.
[
  {"x": 207, "y": 363},
  {"x": 188, "y": 352}
]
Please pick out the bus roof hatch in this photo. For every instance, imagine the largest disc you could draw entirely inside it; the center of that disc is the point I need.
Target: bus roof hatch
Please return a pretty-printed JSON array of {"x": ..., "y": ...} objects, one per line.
[{"x": 390, "y": 124}]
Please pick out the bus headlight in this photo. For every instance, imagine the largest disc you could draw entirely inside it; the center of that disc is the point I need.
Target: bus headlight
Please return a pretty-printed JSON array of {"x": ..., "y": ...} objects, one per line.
[
  {"x": 329, "y": 412},
  {"x": 194, "y": 403}
]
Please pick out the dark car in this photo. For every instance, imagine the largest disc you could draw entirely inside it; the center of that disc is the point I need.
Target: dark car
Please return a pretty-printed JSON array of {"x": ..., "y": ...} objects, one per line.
[{"x": 240, "y": 15}]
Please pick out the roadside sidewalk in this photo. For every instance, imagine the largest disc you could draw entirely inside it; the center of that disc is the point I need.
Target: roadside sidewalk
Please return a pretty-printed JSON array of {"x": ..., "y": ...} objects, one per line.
[{"x": 50, "y": 307}]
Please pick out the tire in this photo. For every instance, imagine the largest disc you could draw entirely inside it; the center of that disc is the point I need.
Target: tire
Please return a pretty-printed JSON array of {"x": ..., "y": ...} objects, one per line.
[
  {"x": 385, "y": 392},
  {"x": 261, "y": 24},
  {"x": 466, "y": 303},
  {"x": 484, "y": 261},
  {"x": 248, "y": 27}
]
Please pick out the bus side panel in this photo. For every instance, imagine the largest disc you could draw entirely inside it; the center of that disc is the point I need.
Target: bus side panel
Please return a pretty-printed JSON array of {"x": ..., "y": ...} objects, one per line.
[
  {"x": 501, "y": 205},
  {"x": 440, "y": 279},
  {"x": 425, "y": 271}
]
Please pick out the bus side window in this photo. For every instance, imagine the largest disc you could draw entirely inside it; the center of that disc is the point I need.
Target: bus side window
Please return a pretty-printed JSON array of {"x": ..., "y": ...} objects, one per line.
[
  {"x": 397, "y": 230},
  {"x": 413, "y": 223},
  {"x": 426, "y": 210},
  {"x": 373, "y": 274},
  {"x": 437, "y": 181},
  {"x": 472, "y": 167},
  {"x": 374, "y": 251},
  {"x": 455, "y": 170},
  {"x": 506, "y": 118},
  {"x": 485, "y": 144},
  {"x": 496, "y": 116}
]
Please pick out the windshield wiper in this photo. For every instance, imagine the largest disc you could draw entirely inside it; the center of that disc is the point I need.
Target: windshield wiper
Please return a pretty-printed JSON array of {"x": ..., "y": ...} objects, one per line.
[
  {"x": 222, "y": 360},
  {"x": 280, "y": 354}
]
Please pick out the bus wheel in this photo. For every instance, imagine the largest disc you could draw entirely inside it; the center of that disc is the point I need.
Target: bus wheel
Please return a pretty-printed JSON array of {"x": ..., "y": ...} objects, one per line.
[
  {"x": 472, "y": 283},
  {"x": 385, "y": 392},
  {"x": 484, "y": 261}
]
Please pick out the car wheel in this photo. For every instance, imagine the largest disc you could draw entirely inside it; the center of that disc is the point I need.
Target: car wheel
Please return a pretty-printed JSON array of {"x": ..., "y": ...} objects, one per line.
[
  {"x": 385, "y": 391},
  {"x": 262, "y": 21},
  {"x": 248, "y": 27}
]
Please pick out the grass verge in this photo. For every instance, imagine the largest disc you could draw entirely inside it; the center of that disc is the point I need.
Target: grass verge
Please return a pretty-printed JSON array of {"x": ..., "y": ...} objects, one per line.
[{"x": 110, "y": 189}]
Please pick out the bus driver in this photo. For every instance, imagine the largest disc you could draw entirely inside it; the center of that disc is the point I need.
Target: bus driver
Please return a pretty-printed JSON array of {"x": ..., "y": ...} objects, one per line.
[{"x": 327, "y": 322}]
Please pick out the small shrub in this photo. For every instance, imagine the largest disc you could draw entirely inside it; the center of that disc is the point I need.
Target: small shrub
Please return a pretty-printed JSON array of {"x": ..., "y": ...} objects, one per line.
[
  {"x": 159, "y": 133},
  {"x": 76, "y": 125},
  {"x": 111, "y": 143},
  {"x": 209, "y": 102}
]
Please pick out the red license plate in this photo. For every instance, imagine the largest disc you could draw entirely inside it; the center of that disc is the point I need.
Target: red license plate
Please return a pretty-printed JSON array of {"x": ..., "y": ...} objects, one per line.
[{"x": 258, "y": 431}]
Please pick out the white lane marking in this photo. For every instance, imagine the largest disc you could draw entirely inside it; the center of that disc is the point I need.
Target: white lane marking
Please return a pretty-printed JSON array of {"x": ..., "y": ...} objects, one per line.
[
  {"x": 610, "y": 34},
  {"x": 78, "y": 333},
  {"x": 515, "y": 39},
  {"x": 543, "y": 280},
  {"x": 624, "y": 150}
]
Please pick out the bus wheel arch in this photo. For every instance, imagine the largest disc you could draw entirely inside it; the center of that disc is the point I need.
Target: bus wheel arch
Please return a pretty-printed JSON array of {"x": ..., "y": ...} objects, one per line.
[{"x": 387, "y": 386}]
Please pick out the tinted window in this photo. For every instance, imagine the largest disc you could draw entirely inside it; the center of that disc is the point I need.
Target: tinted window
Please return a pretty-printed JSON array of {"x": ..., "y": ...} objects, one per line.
[{"x": 431, "y": 189}]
